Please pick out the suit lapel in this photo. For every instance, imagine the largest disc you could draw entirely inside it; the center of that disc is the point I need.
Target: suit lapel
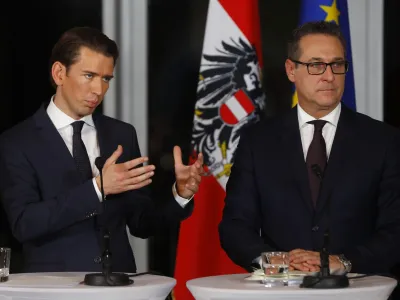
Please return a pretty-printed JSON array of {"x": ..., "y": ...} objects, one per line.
[
  {"x": 53, "y": 142},
  {"x": 294, "y": 152},
  {"x": 343, "y": 144}
]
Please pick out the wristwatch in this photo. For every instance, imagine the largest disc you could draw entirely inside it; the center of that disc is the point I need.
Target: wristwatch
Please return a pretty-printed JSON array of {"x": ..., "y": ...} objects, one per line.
[{"x": 345, "y": 262}]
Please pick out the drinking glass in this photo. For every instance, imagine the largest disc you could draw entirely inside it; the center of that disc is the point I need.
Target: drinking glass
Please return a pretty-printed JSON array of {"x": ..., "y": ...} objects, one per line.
[
  {"x": 276, "y": 268},
  {"x": 5, "y": 254}
]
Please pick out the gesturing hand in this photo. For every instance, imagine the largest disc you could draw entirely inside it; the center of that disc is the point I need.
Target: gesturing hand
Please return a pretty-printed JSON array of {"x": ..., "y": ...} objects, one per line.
[
  {"x": 187, "y": 177},
  {"x": 118, "y": 178}
]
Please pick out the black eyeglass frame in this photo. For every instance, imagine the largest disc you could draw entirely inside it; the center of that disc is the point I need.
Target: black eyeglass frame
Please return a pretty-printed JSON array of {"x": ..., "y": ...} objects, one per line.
[{"x": 346, "y": 65}]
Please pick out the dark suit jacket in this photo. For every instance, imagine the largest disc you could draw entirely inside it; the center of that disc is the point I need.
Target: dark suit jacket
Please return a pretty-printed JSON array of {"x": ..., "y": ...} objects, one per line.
[
  {"x": 359, "y": 200},
  {"x": 59, "y": 219}
]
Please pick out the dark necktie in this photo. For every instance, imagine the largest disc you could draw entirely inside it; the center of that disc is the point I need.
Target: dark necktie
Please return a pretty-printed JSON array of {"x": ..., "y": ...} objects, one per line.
[
  {"x": 316, "y": 159},
  {"x": 79, "y": 152}
]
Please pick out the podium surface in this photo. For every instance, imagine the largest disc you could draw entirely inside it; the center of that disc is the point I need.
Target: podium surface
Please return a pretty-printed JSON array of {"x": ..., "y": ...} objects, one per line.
[
  {"x": 233, "y": 287},
  {"x": 69, "y": 286}
]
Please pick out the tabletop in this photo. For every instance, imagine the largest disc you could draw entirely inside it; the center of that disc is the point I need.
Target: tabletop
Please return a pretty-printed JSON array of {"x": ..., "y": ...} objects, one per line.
[
  {"x": 67, "y": 286},
  {"x": 236, "y": 287}
]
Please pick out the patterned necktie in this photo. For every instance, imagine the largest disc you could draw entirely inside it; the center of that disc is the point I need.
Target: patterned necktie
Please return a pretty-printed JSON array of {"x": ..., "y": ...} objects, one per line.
[
  {"x": 316, "y": 159},
  {"x": 79, "y": 152}
]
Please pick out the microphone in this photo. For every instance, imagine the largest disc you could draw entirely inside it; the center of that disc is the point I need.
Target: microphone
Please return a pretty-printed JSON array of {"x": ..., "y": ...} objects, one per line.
[
  {"x": 99, "y": 163},
  {"x": 107, "y": 277},
  {"x": 324, "y": 280},
  {"x": 316, "y": 168}
]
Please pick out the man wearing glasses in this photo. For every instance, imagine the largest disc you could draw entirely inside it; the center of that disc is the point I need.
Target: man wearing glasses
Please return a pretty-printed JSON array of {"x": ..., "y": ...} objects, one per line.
[{"x": 319, "y": 168}]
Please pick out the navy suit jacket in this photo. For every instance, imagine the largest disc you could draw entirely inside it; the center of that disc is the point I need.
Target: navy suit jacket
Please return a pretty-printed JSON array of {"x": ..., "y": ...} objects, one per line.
[
  {"x": 268, "y": 203},
  {"x": 57, "y": 217}
]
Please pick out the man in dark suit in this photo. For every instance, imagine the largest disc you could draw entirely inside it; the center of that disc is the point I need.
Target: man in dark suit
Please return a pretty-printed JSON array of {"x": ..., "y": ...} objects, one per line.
[
  {"x": 319, "y": 167},
  {"x": 50, "y": 185}
]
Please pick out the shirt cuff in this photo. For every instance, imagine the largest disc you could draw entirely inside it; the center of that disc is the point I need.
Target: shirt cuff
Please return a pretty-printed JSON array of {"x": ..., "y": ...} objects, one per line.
[
  {"x": 181, "y": 201},
  {"x": 96, "y": 188},
  {"x": 257, "y": 261}
]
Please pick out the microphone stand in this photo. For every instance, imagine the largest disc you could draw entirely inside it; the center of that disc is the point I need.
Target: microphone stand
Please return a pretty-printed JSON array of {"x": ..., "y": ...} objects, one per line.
[
  {"x": 107, "y": 277},
  {"x": 324, "y": 280}
]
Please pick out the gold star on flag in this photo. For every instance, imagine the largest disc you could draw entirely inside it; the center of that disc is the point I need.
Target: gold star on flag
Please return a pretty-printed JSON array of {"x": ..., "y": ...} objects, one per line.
[{"x": 332, "y": 13}]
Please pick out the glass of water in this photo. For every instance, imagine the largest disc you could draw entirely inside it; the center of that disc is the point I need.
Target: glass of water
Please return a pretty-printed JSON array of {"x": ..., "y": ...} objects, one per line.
[
  {"x": 276, "y": 268},
  {"x": 5, "y": 255}
]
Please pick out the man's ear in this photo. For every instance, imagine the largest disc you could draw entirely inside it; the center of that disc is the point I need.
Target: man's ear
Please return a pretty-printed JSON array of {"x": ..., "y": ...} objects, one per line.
[
  {"x": 290, "y": 69},
  {"x": 58, "y": 72}
]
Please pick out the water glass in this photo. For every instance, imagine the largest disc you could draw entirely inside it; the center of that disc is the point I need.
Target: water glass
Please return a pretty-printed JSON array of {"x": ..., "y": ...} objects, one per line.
[
  {"x": 276, "y": 268},
  {"x": 5, "y": 255}
]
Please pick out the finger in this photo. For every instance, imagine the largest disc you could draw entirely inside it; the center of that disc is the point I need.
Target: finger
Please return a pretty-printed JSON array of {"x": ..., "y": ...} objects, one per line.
[
  {"x": 314, "y": 268},
  {"x": 139, "y": 171},
  {"x": 135, "y": 162},
  {"x": 192, "y": 182},
  {"x": 195, "y": 176},
  {"x": 137, "y": 179},
  {"x": 177, "y": 155},
  {"x": 298, "y": 260},
  {"x": 113, "y": 158},
  {"x": 307, "y": 257},
  {"x": 304, "y": 253},
  {"x": 200, "y": 160},
  {"x": 311, "y": 267},
  {"x": 138, "y": 185},
  {"x": 304, "y": 258},
  {"x": 295, "y": 251},
  {"x": 300, "y": 267},
  {"x": 297, "y": 255},
  {"x": 314, "y": 262},
  {"x": 196, "y": 168},
  {"x": 191, "y": 188}
]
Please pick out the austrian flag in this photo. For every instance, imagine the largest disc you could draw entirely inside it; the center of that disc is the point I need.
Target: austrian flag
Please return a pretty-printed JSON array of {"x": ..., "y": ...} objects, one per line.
[{"x": 229, "y": 97}]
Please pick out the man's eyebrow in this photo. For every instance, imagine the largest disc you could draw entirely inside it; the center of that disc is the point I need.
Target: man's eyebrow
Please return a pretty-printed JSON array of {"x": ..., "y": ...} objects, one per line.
[{"x": 96, "y": 74}]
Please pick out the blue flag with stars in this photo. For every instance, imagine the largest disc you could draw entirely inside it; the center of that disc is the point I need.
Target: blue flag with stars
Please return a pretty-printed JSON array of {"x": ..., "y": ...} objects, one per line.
[{"x": 332, "y": 11}]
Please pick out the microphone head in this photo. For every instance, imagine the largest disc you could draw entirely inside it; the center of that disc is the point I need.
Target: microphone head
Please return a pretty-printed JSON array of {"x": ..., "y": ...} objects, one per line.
[
  {"x": 316, "y": 168},
  {"x": 99, "y": 162}
]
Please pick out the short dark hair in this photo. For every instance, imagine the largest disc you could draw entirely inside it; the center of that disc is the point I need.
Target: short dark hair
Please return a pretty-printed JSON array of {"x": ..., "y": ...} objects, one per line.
[
  {"x": 67, "y": 48},
  {"x": 309, "y": 28}
]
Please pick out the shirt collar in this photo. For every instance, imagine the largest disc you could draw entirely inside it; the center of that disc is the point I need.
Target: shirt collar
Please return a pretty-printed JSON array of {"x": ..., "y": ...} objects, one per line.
[
  {"x": 332, "y": 118},
  {"x": 61, "y": 119}
]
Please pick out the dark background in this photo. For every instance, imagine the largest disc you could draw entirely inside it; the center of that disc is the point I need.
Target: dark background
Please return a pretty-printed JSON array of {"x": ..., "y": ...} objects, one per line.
[{"x": 29, "y": 29}]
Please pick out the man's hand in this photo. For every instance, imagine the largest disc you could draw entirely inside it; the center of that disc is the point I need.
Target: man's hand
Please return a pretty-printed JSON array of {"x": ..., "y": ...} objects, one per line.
[
  {"x": 187, "y": 177},
  {"x": 304, "y": 260},
  {"x": 118, "y": 178}
]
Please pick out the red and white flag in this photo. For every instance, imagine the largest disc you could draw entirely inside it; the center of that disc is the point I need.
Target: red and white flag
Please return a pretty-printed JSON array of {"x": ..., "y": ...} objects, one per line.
[{"x": 229, "y": 96}]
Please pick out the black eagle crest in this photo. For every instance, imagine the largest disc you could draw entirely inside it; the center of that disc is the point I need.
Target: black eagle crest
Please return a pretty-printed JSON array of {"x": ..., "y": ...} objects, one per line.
[{"x": 235, "y": 68}]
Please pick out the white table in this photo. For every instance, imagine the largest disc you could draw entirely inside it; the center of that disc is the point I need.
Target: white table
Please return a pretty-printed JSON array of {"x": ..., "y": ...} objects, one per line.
[
  {"x": 68, "y": 286},
  {"x": 230, "y": 287}
]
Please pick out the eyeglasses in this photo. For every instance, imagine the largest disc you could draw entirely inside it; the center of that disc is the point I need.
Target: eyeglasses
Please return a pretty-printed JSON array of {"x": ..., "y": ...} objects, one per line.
[{"x": 318, "y": 68}]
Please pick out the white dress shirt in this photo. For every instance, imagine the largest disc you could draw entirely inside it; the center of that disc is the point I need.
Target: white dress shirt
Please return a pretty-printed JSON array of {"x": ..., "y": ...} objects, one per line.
[
  {"x": 328, "y": 131},
  {"x": 63, "y": 122}
]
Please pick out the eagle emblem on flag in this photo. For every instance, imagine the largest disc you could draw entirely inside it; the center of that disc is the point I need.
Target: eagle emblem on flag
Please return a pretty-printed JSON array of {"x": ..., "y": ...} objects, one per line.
[{"x": 229, "y": 96}]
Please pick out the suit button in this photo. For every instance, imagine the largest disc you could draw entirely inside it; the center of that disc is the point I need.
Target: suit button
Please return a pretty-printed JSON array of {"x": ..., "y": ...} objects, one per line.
[
  {"x": 315, "y": 228},
  {"x": 97, "y": 259}
]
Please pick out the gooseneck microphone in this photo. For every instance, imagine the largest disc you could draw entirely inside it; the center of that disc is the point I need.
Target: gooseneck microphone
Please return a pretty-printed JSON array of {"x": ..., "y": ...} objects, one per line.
[
  {"x": 324, "y": 280},
  {"x": 107, "y": 277}
]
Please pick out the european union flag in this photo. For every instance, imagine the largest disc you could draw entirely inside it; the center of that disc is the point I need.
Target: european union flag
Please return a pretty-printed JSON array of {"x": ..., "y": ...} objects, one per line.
[{"x": 333, "y": 11}]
